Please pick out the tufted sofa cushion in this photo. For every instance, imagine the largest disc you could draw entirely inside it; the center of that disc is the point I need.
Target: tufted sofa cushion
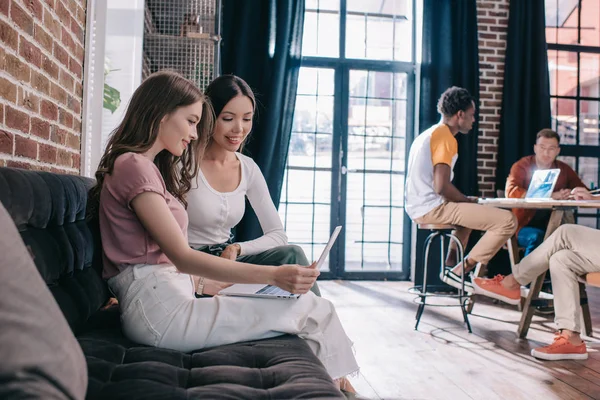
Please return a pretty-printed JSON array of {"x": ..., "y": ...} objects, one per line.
[{"x": 49, "y": 211}]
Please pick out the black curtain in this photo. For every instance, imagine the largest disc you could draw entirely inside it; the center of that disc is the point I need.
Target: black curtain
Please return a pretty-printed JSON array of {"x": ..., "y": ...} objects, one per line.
[
  {"x": 526, "y": 93},
  {"x": 450, "y": 57},
  {"x": 262, "y": 41}
]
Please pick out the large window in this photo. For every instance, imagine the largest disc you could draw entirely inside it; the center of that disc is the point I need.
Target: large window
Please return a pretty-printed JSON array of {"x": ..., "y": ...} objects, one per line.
[
  {"x": 352, "y": 126},
  {"x": 573, "y": 36}
]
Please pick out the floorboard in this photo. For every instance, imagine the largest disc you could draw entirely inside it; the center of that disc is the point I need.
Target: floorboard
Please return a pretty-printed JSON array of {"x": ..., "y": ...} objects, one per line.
[{"x": 442, "y": 360}]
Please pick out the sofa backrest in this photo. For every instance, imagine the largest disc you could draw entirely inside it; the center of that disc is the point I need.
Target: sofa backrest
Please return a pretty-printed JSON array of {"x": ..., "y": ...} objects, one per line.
[{"x": 49, "y": 211}]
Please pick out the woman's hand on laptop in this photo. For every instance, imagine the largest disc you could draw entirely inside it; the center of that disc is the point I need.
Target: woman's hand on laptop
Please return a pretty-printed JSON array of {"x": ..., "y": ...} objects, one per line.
[{"x": 295, "y": 278}]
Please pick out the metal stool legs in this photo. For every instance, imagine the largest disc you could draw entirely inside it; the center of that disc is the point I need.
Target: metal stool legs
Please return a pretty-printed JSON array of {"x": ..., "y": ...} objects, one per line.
[{"x": 462, "y": 296}]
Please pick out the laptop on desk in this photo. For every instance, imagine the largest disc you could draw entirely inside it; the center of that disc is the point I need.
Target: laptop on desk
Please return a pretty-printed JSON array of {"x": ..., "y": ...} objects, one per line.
[
  {"x": 273, "y": 292},
  {"x": 542, "y": 184}
]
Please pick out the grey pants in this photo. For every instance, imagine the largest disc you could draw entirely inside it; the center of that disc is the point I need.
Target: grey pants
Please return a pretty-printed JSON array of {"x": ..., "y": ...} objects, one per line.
[
  {"x": 40, "y": 357},
  {"x": 280, "y": 255},
  {"x": 570, "y": 252}
]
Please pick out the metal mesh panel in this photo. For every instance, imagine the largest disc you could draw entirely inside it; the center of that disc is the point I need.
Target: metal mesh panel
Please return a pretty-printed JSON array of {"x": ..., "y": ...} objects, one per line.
[{"x": 183, "y": 36}]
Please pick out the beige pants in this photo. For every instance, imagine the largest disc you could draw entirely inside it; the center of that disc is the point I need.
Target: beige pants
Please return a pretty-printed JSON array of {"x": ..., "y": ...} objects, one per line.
[
  {"x": 499, "y": 225},
  {"x": 569, "y": 252}
]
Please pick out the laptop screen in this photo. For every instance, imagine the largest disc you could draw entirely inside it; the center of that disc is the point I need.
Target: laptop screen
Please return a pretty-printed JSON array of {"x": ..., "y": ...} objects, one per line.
[{"x": 542, "y": 184}]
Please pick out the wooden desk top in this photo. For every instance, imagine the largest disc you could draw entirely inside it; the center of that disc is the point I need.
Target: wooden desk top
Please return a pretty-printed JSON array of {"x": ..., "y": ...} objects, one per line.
[{"x": 539, "y": 203}]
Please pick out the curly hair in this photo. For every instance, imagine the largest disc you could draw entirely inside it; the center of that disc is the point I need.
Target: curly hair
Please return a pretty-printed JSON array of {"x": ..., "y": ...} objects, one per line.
[{"x": 453, "y": 100}]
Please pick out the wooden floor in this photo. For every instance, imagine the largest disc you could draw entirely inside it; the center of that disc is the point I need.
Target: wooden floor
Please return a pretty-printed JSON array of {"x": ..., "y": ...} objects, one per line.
[{"x": 443, "y": 361}]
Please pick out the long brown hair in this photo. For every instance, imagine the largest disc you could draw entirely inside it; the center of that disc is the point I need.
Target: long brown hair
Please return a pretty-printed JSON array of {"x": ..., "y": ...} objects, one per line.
[
  {"x": 159, "y": 95},
  {"x": 224, "y": 88}
]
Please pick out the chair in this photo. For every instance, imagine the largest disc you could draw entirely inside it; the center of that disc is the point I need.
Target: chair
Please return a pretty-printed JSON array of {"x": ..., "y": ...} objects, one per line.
[{"x": 440, "y": 231}]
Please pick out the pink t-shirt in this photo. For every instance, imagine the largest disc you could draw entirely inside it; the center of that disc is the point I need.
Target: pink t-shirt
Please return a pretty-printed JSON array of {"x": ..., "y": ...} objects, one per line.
[{"x": 125, "y": 241}]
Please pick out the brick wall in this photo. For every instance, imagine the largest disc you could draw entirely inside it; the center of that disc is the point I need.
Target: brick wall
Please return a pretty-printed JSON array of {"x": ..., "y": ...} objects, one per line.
[
  {"x": 41, "y": 83},
  {"x": 492, "y": 23}
]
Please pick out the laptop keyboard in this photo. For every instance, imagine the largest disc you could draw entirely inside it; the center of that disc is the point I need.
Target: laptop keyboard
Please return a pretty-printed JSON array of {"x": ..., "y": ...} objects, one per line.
[{"x": 274, "y": 291}]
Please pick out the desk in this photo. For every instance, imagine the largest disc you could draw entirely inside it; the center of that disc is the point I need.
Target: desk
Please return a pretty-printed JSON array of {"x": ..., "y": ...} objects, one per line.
[{"x": 559, "y": 208}]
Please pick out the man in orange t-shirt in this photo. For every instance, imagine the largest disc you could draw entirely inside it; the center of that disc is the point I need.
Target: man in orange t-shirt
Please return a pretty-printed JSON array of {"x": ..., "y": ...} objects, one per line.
[{"x": 533, "y": 223}]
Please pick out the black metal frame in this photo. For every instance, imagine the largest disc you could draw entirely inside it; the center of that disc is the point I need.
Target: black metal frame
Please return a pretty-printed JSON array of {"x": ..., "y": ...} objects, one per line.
[
  {"x": 342, "y": 67},
  {"x": 577, "y": 150}
]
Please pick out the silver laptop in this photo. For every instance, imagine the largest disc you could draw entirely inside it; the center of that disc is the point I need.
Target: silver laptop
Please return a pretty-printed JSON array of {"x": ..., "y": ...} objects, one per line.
[
  {"x": 542, "y": 184},
  {"x": 273, "y": 292}
]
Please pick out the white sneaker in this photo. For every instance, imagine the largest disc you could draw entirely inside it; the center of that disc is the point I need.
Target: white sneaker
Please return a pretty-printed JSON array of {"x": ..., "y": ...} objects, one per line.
[{"x": 455, "y": 280}]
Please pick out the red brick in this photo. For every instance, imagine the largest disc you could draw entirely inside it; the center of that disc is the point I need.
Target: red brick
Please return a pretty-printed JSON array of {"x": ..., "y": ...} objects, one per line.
[
  {"x": 40, "y": 82},
  {"x": 30, "y": 52},
  {"x": 21, "y": 18},
  {"x": 35, "y": 8},
  {"x": 74, "y": 105},
  {"x": 29, "y": 100},
  {"x": 6, "y": 142},
  {"x": 73, "y": 141},
  {"x": 40, "y": 128},
  {"x": 58, "y": 94},
  {"x": 79, "y": 52},
  {"x": 75, "y": 68},
  {"x": 9, "y": 35},
  {"x": 25, "y": 147},
  {"x": 47, "y": 153},
  {"x": 19, "y": 164},
  {"x": 1, "y": 114},
  {"x": 50, "y": 4},
  {"x": 78, "y": 90},
  {"x": 81, "y": 16},
  {"x": 4, "y": 6},
  {"x": 64, "y": 158},
  {"x": 488, "y": 21},
  {"x": 49, "y": 110},
  {"x": 498, "y": 28},
  {"x": 52, "y": 25},
  {"x": 485, "y": 5},
  {"x": 8, "y": 90},
  {"x": 66, "y": 80},
  {"x": 77, "y": 30},
  {"x": 493, "y": 36},
  {"x": 503, "y": 14},
  {"x": 63, "y": 13},
  {"x": 67, "y": 40},
  {"x": 16, "y": 119},
  {"x": 76, "y": 161},
  {"x": 58, "y": 135},
  {"x": 486, "y": 51},
  {"x": 43, "y": 38},
  {"x": 61, "y": 54},
  {"x": 65, "y": 118},
  {"x": 77, "y": 125},
  {"x": 50, "y": 67}
]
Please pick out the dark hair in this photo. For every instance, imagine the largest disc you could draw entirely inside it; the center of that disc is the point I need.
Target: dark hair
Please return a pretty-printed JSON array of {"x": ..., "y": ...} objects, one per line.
[
  {"x": 453, "y": 100},
  {"x": 224, "y": 88},
  {"x": 159, "y": 95},
  {"x": 547, "y": 133}
]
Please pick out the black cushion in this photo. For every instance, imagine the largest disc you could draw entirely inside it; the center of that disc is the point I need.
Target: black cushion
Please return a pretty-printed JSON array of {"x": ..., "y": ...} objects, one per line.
[{"x": 50, "y": 213}]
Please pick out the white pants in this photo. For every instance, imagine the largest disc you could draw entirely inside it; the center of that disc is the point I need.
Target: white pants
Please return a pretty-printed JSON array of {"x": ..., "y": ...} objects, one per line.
[{"x": 158, "y": 308}]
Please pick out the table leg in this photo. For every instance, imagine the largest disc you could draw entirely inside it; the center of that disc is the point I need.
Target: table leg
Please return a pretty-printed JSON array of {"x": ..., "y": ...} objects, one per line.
[{"x": 536, "y": 285}]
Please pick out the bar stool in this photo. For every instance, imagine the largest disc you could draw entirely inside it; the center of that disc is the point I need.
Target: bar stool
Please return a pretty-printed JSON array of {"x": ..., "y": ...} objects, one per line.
[{"x": 440, "y": 231}]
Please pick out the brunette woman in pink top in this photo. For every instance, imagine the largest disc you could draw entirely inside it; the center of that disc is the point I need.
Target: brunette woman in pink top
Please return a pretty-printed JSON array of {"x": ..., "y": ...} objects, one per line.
[{"x": 142, "y": 179}]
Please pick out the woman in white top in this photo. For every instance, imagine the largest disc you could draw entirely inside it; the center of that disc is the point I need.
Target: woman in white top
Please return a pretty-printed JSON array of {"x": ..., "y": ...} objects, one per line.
[{"x": 217, "y": 199}]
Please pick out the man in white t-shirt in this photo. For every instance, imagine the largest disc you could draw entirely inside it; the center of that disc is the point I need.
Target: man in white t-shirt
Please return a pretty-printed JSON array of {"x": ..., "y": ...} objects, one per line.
[{"x": 431, "y": 198}]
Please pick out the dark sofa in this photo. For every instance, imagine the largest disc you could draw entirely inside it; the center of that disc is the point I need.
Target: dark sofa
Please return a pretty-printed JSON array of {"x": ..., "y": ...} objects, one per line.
[{"x": 49, "y": 212}]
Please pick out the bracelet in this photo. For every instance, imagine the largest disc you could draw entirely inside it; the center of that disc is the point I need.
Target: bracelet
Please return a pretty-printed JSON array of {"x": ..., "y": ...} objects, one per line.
[{"x": 200, "y": 287}]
